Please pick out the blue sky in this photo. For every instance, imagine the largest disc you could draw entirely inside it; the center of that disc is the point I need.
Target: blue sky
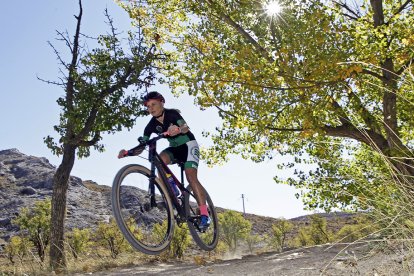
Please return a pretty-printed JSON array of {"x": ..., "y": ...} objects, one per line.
[{"x": 28, "y": 108}]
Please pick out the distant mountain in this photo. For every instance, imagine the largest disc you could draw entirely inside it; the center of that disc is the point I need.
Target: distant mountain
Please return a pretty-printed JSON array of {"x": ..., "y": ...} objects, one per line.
[{"x": 26, "y": 179}]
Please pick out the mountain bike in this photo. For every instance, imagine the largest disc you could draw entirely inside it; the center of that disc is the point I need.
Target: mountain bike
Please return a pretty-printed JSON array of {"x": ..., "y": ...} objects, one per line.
[{"x": 147, "y": 207}]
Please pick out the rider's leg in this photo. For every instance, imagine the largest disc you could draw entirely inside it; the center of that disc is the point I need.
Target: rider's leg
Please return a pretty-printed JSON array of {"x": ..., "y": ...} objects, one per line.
[
  {"x": 191, "y": 174},
  {"x": 165, "y": 157}
]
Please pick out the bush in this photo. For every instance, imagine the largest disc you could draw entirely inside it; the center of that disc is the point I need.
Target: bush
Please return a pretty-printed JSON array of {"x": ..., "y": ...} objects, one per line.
[
  {"x": 18, "y": 247},
  {"x": 318, "y": 231},
  {"x": 79, "y": 241},
  {"x": 303, "y": 238},
  {"x": 252, "y": 241},
  {"x": 361, "y": 229},
  {"x": 36, "y": 223},
  {"x": 109, "y": 236},
  {"x": 233, "y": 228},
  {"x": 280, "y": 229},
  {"x": 179, "y": 243}
]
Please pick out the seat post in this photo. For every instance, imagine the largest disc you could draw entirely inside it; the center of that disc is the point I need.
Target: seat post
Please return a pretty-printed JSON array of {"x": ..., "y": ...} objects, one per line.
[{"x": 182, "y": 173}]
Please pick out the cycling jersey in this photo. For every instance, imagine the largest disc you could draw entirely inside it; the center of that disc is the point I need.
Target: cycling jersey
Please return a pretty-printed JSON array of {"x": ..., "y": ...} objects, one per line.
[
  {"x": 183, "y": 147},
  {"x": 171, "y": 117}
]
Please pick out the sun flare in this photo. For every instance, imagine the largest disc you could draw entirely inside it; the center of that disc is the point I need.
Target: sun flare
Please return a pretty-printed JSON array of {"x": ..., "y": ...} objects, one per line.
[{"x": 273, "y": 8}]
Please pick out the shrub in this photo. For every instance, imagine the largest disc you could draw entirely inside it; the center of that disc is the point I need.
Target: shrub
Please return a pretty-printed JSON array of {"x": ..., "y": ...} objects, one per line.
[
  {"x": 233, "y": 228},
  {"x": 179, "y": 243},
  {"x": 280, "y": 229},
  {"x": 318, "y": 231},
  {"x": 79, "y": 241},
  {"x": 109, "y": 236},
  {"x": 252, "y": 241},
  {"x": 17, "y": 247},
  {"x": 36, "y": 222}
]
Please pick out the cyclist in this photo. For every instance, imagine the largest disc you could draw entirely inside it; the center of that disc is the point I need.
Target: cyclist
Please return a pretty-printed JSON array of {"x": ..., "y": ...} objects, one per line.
[{"x": 183, "y": 146}]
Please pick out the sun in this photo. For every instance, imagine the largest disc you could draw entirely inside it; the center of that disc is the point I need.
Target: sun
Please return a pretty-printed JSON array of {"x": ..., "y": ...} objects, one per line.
[{"x": 273, "y": 8}]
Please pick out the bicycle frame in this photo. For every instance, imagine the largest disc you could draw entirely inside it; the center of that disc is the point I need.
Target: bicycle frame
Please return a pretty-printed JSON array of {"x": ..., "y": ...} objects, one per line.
[{"x": 155, "y": 159}]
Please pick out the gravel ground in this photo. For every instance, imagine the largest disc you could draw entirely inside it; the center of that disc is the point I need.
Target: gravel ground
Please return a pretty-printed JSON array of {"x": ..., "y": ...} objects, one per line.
[{"x": 339, "y": 259}]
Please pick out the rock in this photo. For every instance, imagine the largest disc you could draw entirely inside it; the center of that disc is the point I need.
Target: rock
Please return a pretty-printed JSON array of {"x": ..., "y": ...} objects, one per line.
[
  {"x": 28, "y": 191},
  {"x": 26, "y": 179}
]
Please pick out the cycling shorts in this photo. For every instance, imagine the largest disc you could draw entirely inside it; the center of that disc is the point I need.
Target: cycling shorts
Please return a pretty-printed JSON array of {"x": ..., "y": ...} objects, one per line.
[{"x": 188, "y": 153}]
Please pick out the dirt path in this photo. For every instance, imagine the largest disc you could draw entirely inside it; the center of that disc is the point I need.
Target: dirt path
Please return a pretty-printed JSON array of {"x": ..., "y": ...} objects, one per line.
[{"x": 319, "y": 260}]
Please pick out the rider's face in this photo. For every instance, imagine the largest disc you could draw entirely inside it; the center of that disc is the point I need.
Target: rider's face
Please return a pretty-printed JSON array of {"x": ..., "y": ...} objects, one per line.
[{"x": 155, "y": 107}]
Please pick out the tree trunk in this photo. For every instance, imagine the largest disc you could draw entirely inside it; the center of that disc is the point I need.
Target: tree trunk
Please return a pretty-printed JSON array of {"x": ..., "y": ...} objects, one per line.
[{"x": 60, "y": 188}]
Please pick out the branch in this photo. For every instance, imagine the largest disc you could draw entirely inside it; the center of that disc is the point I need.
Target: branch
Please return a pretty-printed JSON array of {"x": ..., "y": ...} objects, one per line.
[
  {"x": 286, "y": 129},
  {"x": 72, "y": 67},
  {"x": 368, "y": 72},
  {"x": 91, "y": 142},
  {"x": 225, "y": 112},
  {"x": 365, "y": 114},
  {"x": 403, "y": 6},
  {"x": 407, "y": 64},
  {"x": 90, "y": 121},
  {"x": 366, "y": 136},
  {"x": 58, "y": 56},
  {"x": 50, "y": 82},
  {"x": 245, "y": 83},
  {"x": 355, "y": 16}
]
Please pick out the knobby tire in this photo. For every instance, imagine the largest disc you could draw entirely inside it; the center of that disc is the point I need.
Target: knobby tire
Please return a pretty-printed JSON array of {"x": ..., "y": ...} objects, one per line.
[
  {"x": 148, "y": 229},
  {"x": 207, "y": 240}
]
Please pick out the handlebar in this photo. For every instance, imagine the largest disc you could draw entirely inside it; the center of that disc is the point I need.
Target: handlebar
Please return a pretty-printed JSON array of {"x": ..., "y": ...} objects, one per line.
[{"x": 145, "y": 143}]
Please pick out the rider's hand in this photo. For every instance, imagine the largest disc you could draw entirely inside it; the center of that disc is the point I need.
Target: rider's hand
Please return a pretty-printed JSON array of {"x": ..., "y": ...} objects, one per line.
[
  {"x": 122, "y": 153},
  {"x": 173, "y": 130}
]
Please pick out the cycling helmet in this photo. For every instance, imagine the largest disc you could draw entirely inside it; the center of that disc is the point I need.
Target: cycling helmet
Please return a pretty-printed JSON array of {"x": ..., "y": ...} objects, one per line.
[{"x": 153, "y": 96}]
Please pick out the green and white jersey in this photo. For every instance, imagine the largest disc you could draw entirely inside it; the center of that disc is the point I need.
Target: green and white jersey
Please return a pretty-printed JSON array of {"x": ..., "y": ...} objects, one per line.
[{"x": 171, "y": 117}]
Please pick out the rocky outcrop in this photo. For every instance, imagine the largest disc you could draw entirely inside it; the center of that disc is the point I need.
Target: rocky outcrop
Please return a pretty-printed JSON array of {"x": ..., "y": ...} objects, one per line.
[{"x": 26, "y": 179}]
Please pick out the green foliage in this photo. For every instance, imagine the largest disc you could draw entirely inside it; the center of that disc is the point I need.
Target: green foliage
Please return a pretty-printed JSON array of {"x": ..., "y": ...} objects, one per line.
[
  {"x": 314, "y": 234},
  {"x": 179, "y": 243},
  {"x": 318, "y": 231},
  {"x": 79, "y": 241},
  {"x": 18, "y": 247},
  {"x": 303, "y": 237},
  {"x": 96, "y": 99},
  {"x": 36, "y": 224},
  {"x": 280, "y": 229},
  {"x": 253, "y": 241},
  {"x": 233, "y": 228},
  {"x": 325, "y": 82},
  {"x": 109, "y": 236}
]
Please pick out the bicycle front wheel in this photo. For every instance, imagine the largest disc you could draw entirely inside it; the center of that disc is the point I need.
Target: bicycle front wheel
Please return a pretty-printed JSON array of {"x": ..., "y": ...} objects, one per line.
[
  {"x": 207, "y": 239},
  {"x": 146, "y": 221}
]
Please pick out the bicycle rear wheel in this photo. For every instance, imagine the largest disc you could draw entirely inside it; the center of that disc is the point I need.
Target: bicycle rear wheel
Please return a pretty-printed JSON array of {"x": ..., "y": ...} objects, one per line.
[
  {"x": 208, "y": 239},
  {"x": 146, "y": 222}
]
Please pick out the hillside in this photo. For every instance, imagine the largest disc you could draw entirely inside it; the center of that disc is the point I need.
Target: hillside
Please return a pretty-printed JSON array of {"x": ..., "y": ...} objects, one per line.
[{"x": 25, "y": 179}]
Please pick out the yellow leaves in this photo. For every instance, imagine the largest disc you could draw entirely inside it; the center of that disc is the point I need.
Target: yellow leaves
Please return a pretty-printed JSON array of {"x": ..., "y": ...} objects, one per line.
[
  {"x": 307, "y": 133},
  {"x": 408, "y": 41},
  {"x": 307, "y": 124},
  {"x": 349, "y": 71}
]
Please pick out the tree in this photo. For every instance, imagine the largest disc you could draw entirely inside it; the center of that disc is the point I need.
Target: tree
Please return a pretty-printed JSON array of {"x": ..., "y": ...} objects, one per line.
[
  {"x": 95, "y": 101},
  {"x": 326, "y": 81},
  {"x": 318, "y": 231},
  {"x": 37, "y": 224},
  {"x": 280, "y": 229},
  {"x": 233, "y": 228}
]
